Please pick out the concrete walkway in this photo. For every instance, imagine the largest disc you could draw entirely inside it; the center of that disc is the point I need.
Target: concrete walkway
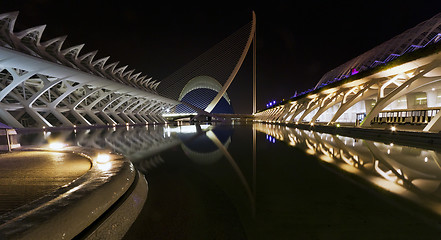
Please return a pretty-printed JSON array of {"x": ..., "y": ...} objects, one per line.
[
  {"x": 28, "y": 175},
  {"x": 71, "y": 193}
]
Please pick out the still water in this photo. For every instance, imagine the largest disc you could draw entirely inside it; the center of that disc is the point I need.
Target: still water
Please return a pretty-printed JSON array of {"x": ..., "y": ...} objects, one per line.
[{"x": 271, "y": 182}]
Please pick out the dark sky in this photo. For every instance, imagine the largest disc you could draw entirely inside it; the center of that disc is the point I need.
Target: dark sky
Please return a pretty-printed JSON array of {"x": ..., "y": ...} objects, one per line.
[{"x": 296, "y": 43}]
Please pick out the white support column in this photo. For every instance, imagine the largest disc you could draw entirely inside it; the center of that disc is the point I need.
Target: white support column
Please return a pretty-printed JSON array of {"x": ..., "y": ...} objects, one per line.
[
  {"x": 93, "y": 115},
  {"x": 155, "y": 115},
  {"x": 126, "y": 118},
  {"x": 140, "y": 117},
  {"x": 9, "y": 119},
  {"x": 17, "y": 80},
  {"x": 62, "y": 118},
  {"x": 105, "y": 116},
  {"x": 309, "y": 109},
  {"x": 79, "y": 117},
  {"x": 361, "y": 95},
  {"x": 53, "y": 105},
  {"x": 143, "y": 112},
  {"x": 123, "y": 119},
  {"x": 46, "y": 87},
  {"x": 134, "y": 118},
  {"x": 435, "y": 124},
  {"x": 326, "y": 105},
  {"x": 151, "y": 112},
  {"x": 37, "y": 117},
  {"x": 299, "y": 109},
  {"x": 129, "y": 113},
  {"x": 408, "y": 86},
  {"x": 287, "y": 113},
  {"x": 117, "y": 117},
  {"x": 136, "y": 115}
]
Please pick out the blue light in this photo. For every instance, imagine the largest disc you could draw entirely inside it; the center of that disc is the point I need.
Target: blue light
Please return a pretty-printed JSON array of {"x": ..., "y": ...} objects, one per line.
[
  {"x": 274, "y": 102},
  {"x": 274, "y": 140}
]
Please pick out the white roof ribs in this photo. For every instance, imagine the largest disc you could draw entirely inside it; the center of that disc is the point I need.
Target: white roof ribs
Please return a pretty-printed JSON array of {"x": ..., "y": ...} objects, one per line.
[{"x": 28, "y": 41}]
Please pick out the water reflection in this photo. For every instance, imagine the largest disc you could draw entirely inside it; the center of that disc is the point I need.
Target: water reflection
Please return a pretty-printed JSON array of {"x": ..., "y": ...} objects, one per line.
[
  {"x": 413, "y": 173},
  {"x": 202, "y": 144},
  {"x": 142, "y": 145},
  {"x": 207, "y": 180}
]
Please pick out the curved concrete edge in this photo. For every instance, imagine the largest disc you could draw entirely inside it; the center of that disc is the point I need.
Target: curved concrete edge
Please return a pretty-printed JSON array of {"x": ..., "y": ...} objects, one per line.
[
  {"x": 117, "y": 221},
  {"x": 66, "y": 212}
]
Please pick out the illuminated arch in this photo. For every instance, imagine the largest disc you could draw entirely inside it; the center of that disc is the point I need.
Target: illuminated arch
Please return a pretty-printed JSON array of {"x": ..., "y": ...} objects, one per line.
[{"x": 202, "y": 82}]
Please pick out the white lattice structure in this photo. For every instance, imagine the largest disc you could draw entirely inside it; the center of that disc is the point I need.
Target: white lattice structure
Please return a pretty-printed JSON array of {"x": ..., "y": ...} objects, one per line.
[
  {"x": 420, "y": 36},
  {"x": 408, "y": 93},
  {"x": 47, "y": 84}
]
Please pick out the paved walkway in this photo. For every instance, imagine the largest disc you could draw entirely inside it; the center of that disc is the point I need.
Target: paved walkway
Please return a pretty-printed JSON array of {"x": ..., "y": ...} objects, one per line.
[{"x": 28, "y": 175}]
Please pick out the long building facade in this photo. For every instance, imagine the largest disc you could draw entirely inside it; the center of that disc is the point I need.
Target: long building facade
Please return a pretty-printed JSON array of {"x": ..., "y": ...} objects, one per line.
[
  {"x": 45, "y": 84},
  {"x": 396, "y": 84}
]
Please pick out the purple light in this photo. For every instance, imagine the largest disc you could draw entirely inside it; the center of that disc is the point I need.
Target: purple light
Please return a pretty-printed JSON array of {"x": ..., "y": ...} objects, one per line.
[
  {"x": 274, "y": 102},
  {"x": 354, "y": 71}
]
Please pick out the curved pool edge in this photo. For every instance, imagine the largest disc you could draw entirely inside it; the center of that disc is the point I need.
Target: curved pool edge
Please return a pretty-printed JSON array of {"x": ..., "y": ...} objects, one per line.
[
  {"x": 71, "y": 209},
  {"x": 115, "y": 223}
]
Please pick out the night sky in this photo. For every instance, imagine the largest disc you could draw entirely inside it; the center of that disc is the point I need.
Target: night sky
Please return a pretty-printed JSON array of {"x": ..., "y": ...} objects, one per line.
[{"x": 296, "y": 43}]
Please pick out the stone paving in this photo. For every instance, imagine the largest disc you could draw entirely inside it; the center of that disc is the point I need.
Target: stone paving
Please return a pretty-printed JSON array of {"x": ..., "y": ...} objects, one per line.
[{"x": 28, "y": 175}]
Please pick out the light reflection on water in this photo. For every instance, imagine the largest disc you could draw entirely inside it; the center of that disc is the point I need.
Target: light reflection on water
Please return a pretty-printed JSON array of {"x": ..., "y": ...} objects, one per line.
[
  {"x": 263, "y": 185},
  {"x": 410, "y": 172}
]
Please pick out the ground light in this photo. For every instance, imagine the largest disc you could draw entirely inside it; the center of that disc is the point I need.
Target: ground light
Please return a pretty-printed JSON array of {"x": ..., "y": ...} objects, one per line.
[
  {"x": 103, "y": 161},
  {"x": 393, "y": 129},
  {"x": 102, "y": 158},
  {"x": 57, "y": 145}
]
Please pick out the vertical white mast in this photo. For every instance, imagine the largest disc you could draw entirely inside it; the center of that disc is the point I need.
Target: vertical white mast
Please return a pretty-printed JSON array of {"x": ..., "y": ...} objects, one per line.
[
  {"x": 254, "y": 66},
  {"x": 236, "y": 68}
]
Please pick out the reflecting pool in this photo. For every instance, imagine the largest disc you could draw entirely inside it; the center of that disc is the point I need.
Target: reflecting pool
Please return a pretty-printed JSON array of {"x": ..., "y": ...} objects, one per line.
[{"x": 272, "y": 182}]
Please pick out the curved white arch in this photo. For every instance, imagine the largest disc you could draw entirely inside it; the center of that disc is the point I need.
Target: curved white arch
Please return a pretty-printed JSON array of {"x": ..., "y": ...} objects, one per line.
[
  {"x": 230, "y": 79},
  {"x": 202, "y": 82}
]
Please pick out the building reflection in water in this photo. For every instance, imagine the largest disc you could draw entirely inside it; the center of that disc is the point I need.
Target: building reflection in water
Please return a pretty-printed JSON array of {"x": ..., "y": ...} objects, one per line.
[
  {"x": 204, "y": 145},
  {"x": 142, "y": 145},
  {"x": 410, "y": 172},
  {"x": 224, "y": 158}
]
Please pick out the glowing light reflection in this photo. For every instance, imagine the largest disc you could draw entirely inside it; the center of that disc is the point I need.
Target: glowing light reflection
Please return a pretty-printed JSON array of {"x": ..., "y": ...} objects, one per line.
[{"x": 57, "y": 145}]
